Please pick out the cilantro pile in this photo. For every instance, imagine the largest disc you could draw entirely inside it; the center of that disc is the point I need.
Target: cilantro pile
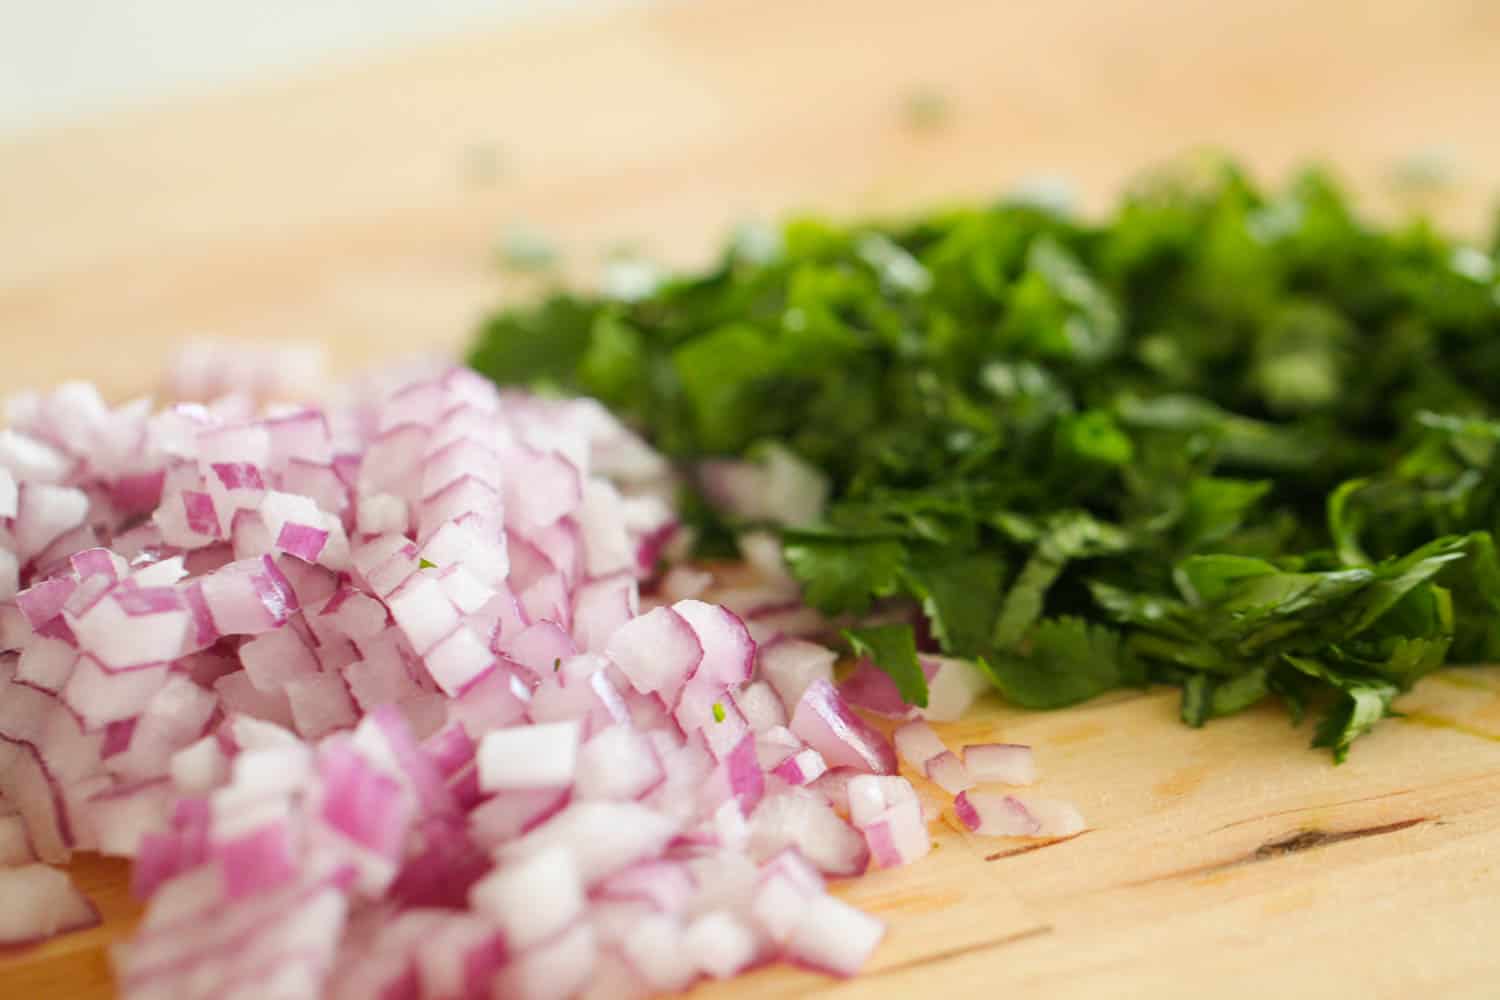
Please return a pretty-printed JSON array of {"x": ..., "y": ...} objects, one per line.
[{"x": 1240, "y": 442}]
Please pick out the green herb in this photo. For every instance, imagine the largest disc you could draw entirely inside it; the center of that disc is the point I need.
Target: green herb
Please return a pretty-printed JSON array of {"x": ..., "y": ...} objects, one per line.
[
  {"x": 425, "y": 563},
  {"x": 1242, "y": 442},
  {"x": 926, "y": 110},
  {"x": 525, "y": 249},
  {"x": 718, "y": 712},
  {"x": 1422, "y": 170},
  {"x": 556, "y": 664},
  {"x": 893, "y": 649}
]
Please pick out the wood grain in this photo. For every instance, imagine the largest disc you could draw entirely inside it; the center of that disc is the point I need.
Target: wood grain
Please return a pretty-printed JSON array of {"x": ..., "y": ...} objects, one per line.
[{"x": 360, "y": 207}]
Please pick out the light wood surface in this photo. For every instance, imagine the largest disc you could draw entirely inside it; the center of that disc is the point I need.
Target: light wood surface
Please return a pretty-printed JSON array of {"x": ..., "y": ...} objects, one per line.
[{"x": 360, "y": 207}]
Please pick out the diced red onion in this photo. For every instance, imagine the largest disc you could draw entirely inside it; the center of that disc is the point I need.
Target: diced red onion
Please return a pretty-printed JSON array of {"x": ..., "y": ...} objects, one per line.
[
  {"x": 996, "y": 815},
  {"x": 40, "y": 902},
  {"x": 804, "y": 820},
  {"x": 603, "y": 836},
  {"x": 842, "y": 737},
  {"x": 831, "y": 936},
  {"x": 1006, "y": 763},
  {"x": 728, "y": 652},
  {"x": 657, "y": 652},
  {"x": 792, "y": 665},
  {"x": 367, "y": 692},
  {"x": 527, "y": 757},
  {"x": 532, "y": 898},
  {"x": 948, "y": 773},
  {"x": 952, "y": 686},
  {"x": 1056, "y": 818},
  {"x": 619, "y": 762},
  {"x": 916, "y": 744}
]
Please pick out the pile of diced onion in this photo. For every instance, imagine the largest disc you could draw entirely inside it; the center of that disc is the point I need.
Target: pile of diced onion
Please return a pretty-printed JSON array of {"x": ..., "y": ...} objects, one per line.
[{"x": 390, "y": 699}]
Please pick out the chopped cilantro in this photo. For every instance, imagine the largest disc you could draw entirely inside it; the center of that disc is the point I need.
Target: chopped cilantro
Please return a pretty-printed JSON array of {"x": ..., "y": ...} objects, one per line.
[
  {"x": 1240, "y": 441},
  {"x": 425, "y": 563},
  {"x": 893, "y": 649},
  {"x": 718, "y": 712},
  {"x": 926, "y": 110},
  {"x": 525, "y": 249}
]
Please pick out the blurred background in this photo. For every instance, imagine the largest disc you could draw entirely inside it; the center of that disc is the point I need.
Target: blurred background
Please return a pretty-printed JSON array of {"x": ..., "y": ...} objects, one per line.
[{"x": 358, "y": 172}]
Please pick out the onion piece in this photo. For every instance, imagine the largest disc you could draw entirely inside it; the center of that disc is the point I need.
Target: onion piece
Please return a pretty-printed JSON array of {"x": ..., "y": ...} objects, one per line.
[
  {"x": 948, "y": 773},
  {"x": 831, "y": 936},
  {"x": 657, "y": 652},
  {"x": 952, "y": 686},
  {"x": 801, "y": 819},
  {"x": 533, "y": 898},
  {"x": 916, "y": 744},
  {"x": 792, "y": 665},
  {"x": 996, "y": 815},
  {"x": 843, "y": 738},
  {"x": 529, "y": 757},
  {"x": 618, "y": 763},
  {"x": 1006, "y": 763},
  {"x": 41, "y": 902},
  {"x": 1056, "y": 818}
]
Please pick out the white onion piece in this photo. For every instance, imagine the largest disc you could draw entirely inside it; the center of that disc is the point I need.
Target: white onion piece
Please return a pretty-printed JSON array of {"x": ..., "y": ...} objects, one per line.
[
  {"x": 721, "y": 944},
  {"x": 948, "y": 773},
  {"x": 777, "y": 487},
  {"x": 532, "y": 899},
  {"x": 728, "y": 652},
  {"x": 831, "y": 936},
  {"x": 1006, "y": 763},
  {"x": 554, "y": 971},
  {"x": 871, "y": 795},
  {"x": 792, "y": 665},
  {"x": 39, "y": 903},
  {"x": 842, "y": 737},
  {"x": 618, "y": 763},
  {"x": 1056, "y": 818},
  {"x": 657, "y": 652},
  {"x": 10, "y": 574},
  {"x": 663, "y": 885},
  {"x": 802, "y": 767},
  {"x": 30, "y": 459},
  {"x": 952, "y": 686},
  {"x": 916, "y": 744},
  {"x": 761, "y": 706},
  {"x": 603, "y": 836},
  {"x": 528, "y": 757},
  {"x": 993, "y": 815},
  {"x": 7, "y": 493},
  {"x": 804, "y": 820}
]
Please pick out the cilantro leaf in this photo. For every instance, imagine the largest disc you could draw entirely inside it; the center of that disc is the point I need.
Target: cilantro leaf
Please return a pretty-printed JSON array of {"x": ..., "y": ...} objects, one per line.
[
  {"x": 1062, "y": 661},
  {"x": 841, "y": 575},
  {"x": 893, "y": 649},
  {"x": 960, "y": 594}
]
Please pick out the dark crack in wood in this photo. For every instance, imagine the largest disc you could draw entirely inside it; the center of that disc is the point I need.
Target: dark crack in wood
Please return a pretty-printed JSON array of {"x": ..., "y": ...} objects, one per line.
[
  {"x": 1304, "y": 840},
  {"x": 1028, "y": 848}
]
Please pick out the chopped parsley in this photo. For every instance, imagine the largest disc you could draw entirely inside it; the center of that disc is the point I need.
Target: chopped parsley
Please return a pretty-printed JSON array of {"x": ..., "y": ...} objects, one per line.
[{"x": 1240, "y": 441}]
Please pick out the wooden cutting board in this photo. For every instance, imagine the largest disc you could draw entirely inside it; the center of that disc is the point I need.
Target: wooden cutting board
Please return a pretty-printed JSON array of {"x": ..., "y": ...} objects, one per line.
[{"x": 361, "y": 206}]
